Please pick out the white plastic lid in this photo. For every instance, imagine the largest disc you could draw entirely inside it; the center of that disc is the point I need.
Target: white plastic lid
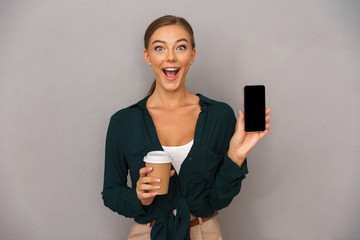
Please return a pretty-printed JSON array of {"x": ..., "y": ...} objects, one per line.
[{"x": 158, "y": 157}]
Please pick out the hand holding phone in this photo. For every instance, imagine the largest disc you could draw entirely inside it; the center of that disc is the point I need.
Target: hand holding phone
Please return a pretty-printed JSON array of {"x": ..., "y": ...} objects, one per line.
[{"x": 252, "y": 124}]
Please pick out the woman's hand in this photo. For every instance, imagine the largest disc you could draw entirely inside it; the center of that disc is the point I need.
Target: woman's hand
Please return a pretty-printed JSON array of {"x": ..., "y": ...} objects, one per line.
[
  {"x": 143, "y": 186},
  {"x": 242, "y": 142}
]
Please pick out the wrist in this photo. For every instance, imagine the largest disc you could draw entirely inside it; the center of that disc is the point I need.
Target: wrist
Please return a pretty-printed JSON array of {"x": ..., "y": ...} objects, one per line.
[{"x": 237, "y": 158}]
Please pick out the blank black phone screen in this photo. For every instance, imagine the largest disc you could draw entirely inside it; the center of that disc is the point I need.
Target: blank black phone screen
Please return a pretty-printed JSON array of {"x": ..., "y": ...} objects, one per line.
[{"x": 254, "y": 108}]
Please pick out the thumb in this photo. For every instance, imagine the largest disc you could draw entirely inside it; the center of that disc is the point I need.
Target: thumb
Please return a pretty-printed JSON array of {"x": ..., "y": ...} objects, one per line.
[{"x": 240, "y": 122}]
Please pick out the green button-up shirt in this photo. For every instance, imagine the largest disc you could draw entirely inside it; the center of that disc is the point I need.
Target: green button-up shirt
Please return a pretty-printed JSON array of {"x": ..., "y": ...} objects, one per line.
[{"x": 208, "y": 179}]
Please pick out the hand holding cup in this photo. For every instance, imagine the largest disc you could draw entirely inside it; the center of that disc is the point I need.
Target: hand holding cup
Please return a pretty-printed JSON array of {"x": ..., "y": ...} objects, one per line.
[{"x": 154, "y": 178}]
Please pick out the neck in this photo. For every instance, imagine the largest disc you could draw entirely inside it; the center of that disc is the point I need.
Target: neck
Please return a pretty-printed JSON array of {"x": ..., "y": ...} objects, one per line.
[{"x": 171, "y": 100}]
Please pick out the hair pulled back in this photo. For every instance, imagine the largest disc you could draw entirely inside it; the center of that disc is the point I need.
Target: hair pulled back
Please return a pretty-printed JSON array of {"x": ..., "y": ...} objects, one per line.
[{"x": 165, "y": 21}]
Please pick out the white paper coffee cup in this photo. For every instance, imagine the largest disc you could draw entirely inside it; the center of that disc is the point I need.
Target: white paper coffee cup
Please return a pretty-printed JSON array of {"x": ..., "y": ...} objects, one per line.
[{"x": 160, "y": 162}]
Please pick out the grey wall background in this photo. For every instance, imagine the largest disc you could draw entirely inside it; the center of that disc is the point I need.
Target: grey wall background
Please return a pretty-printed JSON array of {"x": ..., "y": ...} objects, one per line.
[{"x": 67, "y": 66}]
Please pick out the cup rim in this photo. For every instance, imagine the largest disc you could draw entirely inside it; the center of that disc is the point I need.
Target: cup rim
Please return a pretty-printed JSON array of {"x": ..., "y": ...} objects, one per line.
[{"x": 155, "y": 157}]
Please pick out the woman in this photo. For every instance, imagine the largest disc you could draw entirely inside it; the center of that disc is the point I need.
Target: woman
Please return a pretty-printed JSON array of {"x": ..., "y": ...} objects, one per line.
[{"x": 209, "y": 158}]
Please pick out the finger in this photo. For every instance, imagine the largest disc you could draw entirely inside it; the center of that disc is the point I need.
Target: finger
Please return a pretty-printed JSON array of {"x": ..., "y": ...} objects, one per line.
[
  {"x": 146, "y": 187},
  {"x": 172, "y": 172},
  {"x": 240, "y": 122},
  {"x": 267, "y": 120},
  {"x": 144, "y": 195},
  {"x": 267, "y": 111},
  {"x": 263, "y": 134},
  {"x": 149, "y": 180},
  {"x": 144, "y": 171}
]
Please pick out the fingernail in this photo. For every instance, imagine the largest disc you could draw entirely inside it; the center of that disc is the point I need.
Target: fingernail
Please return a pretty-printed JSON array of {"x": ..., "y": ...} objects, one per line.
[
  {"x": 149, "y": 168},
  {"x": 157, "y": 187},
  {"x": 154, "y": 194},
  {"x": 157, "y": 180}
]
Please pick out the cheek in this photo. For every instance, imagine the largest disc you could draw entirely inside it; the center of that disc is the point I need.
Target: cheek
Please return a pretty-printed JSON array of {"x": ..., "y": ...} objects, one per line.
[
  {"x": 156, "y": 60},
  {"x": 186, "y": 60}
]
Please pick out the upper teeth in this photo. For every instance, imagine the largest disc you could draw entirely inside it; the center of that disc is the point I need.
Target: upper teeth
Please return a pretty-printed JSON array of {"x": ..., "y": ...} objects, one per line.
[{"x": 171, "y": 69}]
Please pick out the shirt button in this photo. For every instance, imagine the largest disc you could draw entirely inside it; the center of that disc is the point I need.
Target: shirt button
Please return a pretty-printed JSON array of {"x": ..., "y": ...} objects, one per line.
[{"x": 190, "y": 158}]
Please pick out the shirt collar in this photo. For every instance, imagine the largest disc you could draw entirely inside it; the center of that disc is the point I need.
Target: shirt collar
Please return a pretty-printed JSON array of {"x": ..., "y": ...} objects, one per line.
[
  {"x": 204, "y": 99},
  {"x": 142, "y": 103}
]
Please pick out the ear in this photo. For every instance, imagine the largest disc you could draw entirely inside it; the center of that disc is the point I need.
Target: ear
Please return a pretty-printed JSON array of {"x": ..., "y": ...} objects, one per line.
[
  {"x": 193, "y": 55},
  {"x": 146, "y": 56}
]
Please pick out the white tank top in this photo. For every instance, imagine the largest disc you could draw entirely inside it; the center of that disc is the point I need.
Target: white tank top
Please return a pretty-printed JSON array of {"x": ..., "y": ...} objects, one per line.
[{"x": 178, "y": 154}]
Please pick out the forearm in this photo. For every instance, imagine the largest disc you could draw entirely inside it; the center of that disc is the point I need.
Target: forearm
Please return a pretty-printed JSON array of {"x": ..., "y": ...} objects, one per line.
[
  {"x": 123, "y": 200},
  {"x": 227, "y": 183}
]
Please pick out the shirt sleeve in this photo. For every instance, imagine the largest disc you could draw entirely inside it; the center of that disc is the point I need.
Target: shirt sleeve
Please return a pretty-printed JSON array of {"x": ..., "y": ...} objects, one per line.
[
  {"x": 229, "y": 176},
  {"x": 227, "y": 183},
  {"x": 116, "y": 194}
]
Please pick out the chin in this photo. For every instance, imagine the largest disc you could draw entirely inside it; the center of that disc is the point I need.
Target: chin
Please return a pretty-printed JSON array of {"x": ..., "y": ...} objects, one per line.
[
  {"x": 172, "y": 85},
  {"x": 171, "y": 88}
]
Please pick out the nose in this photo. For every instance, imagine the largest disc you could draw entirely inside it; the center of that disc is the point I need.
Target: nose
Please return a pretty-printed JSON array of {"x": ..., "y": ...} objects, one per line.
[{"x": 171, "y": 56}]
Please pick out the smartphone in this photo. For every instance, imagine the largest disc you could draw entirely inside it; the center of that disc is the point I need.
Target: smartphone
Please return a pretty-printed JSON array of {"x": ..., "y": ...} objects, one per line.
[{"x": 254, "y": 108}]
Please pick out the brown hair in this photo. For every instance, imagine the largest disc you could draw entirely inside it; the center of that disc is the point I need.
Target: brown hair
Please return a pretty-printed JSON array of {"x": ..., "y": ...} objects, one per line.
[{"x": 161, "y": 22}]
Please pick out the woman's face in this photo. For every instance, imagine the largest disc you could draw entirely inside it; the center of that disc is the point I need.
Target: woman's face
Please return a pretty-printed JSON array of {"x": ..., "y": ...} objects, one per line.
[{"x": 170, "y": 55}]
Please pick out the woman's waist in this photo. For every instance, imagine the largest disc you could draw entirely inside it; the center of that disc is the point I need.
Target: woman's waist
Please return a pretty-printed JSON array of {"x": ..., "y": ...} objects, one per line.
[{"x": 193, "y": 220}]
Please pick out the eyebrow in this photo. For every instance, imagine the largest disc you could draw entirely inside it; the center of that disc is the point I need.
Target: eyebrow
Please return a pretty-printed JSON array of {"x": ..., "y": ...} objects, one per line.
[{"x": 160, "y": 41}]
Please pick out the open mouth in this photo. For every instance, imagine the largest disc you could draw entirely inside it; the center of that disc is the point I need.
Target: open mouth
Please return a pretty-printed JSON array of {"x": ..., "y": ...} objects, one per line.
[{"x": 170, "y": 72}]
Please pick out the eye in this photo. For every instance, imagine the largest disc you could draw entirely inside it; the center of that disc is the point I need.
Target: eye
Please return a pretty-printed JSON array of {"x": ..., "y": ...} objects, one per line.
[
  {"x": 159, "y": 48},
  {"x": 181, "y": 47}
]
